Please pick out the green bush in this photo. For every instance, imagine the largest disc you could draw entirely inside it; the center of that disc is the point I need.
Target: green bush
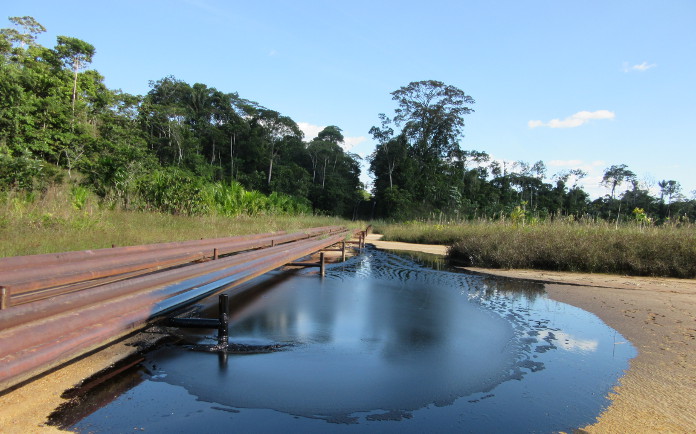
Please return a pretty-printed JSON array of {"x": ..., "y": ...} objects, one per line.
[
  {"x": 172, "y": 190},
  {"x": 26, "y": 173}
]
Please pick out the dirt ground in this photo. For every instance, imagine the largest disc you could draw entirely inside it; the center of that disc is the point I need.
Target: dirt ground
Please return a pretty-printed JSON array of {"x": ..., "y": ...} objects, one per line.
[
  {"x": 375, "y": 239},
  {"x": 658, "y": 316}
]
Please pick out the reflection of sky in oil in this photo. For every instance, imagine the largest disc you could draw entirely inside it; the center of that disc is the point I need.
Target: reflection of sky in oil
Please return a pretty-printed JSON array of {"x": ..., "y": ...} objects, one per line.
[{"x": 383, "y": 344}]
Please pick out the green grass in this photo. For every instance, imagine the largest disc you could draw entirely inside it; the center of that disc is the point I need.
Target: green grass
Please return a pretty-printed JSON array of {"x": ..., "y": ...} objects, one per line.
[
  {"x": 668, "y": 251},
  {"x": 63, "y": 220}
]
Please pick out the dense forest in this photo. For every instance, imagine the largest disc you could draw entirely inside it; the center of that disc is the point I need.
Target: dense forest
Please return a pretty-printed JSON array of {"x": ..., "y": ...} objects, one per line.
[
  {"x": 181, "y": 148},
  {"x": 421, "y": 171},
  {"x": 192, "y": 149}
]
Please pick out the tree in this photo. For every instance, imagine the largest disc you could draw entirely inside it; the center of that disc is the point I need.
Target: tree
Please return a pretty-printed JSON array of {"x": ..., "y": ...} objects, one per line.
[
  {"x": 278, "y": 128},
  {"x": 384, "y": 136},
  {"x": 419, "y": 158},
  {"x": 30, "y": 28},
  {"x": 617, "y": 175},
  {"x": 332, "y": 134},
  {"x": 432, "y": 114},
  {"x": 673, "y": 188},
  {"x": 75, "y": 53}
]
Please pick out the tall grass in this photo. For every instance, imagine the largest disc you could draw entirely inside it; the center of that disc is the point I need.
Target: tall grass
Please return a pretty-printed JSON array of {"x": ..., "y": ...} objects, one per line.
[
  {"x": 595, "y": 247},
  {"x": 63, "y": 219}
]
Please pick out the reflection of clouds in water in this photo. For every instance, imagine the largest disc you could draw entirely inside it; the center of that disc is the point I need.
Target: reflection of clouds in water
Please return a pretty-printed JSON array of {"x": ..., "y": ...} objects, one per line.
[{"x": 569, "y": 343}]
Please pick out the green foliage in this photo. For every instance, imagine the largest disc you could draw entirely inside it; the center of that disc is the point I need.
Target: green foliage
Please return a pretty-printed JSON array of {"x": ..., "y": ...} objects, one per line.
[
  {"x": 233, "y": 200},
  {"x": 421, "y": 171},
  {"x": 172, "y": 190},
  {"x": 161, "y": 151},
  {"x": 79, "y": 196},
  {"x": 26, "y": 173},
  {"x": 519, "y": 214}
]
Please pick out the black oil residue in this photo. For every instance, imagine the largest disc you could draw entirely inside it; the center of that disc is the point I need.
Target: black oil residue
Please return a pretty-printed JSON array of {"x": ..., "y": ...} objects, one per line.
[{"x": 382, "y": 344}]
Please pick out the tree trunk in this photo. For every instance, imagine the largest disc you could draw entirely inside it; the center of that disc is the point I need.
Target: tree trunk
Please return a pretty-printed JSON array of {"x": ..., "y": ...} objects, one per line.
[
  {"x": 232, "y": 140},
  {"x": 270, "y": 170},
  {"x": 76, "y": 67}
]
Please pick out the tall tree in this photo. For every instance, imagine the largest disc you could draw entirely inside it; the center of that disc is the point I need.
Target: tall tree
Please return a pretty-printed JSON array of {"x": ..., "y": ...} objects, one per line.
[
  {"x": 278, "y": 128},
  {"x": 432, "y": 114},
  {"x": 75, "y": 53},
  {"x": 384, "y": 135},
  {"x": 30, "y": 28},
  {"x": 617, "y": 175}
]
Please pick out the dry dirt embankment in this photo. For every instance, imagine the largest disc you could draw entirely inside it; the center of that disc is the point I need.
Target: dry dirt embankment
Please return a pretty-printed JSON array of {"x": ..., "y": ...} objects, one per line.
[
  {"x": 658, "y": 315},
  {"x": 26, "y": 409}
]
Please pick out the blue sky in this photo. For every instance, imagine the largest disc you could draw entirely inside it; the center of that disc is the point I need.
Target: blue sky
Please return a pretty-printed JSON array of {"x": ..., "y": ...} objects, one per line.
[{"x": 576, "y": 84}]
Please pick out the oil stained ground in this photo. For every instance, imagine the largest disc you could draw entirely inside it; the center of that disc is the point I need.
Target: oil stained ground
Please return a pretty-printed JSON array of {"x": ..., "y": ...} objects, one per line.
[{"x": 382, "y": 344}]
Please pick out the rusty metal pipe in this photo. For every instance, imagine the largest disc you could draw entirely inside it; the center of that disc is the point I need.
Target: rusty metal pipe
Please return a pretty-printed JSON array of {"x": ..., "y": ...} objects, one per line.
[
  {"x": 17, "y": 262},
  {"x": 81, "y": 335},
  {"x": 24, "y": 280},
  {"x": 43, "y": 308},
  {"x": 24, "y": 365},
  {"x": 52, "y": 327}
]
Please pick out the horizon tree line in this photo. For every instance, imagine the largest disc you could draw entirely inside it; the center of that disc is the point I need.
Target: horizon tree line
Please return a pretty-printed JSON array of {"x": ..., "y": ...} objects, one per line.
[{"x": 421, "y": 171}]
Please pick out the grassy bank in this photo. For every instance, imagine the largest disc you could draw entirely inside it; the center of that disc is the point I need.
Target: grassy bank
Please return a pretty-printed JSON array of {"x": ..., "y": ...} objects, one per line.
[
  {"x": 668, "y": 251},
  {"x": 54, "y": 222}
]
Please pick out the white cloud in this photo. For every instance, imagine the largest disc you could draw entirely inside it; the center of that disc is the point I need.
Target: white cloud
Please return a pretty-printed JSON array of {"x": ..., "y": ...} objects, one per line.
[
  {"x": 575, "y": 120},
  {"x": 350, "y": 142},
  {"x": 272, "y": 53},
  {"x": 572, "y": 344},
  {"x": 311, "y": 131},
  {"x": 641, "y": 67}
]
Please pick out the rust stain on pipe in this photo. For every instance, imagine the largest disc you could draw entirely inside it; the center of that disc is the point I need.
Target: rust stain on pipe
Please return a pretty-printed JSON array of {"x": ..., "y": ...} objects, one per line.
[
  {"x": 24, "y": 279},
  {"x": 43, "y": 334}
]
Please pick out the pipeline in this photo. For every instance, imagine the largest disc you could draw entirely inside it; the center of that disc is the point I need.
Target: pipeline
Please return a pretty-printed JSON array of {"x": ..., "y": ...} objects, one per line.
[
  {"x": 43, "y": 334},
  {"x": 86, "y": 266},
  {"x": 32, "y": 261}
]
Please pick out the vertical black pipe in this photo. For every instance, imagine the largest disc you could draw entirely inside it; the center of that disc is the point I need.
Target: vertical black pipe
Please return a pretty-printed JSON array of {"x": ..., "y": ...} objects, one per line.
[
  {"x": 222, "y": 360},
  {"x": 224, "y": 309}
]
